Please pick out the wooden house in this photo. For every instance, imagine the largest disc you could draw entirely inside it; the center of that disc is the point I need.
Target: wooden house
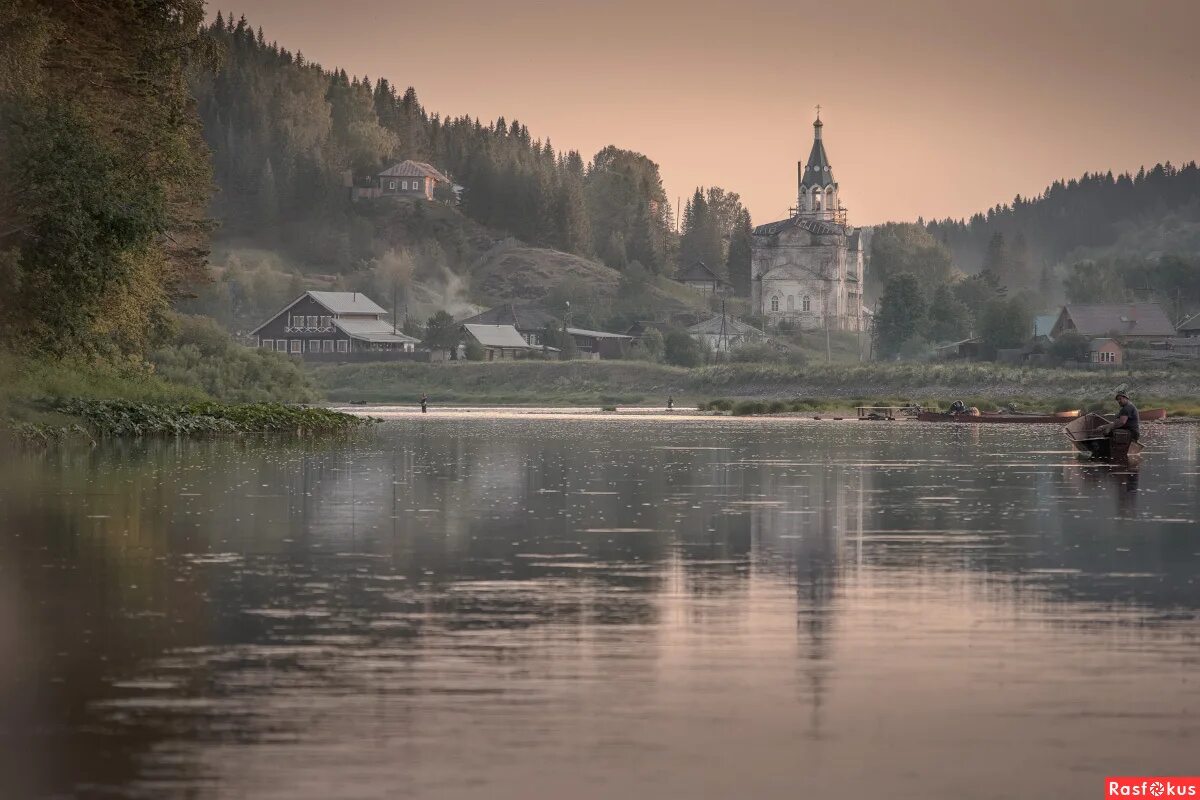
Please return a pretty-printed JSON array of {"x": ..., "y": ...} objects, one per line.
[
  {"x": 333, "y": 326},
  {"x": 699, "y": 276},
  {"x": 406, "y": 179},
  {"x": 500, "y": 342},
  {"x": 529, "y": 319},
  {"x": 724, "y": 333}
]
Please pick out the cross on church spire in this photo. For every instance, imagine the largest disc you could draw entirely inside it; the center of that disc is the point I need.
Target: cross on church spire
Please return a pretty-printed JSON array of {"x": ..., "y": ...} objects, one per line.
[{"x": 818, "y": 110}]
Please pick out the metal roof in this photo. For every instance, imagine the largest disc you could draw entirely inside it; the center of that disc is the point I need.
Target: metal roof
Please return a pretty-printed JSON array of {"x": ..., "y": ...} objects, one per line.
[
  {"x": 596, "y": 334},
  {"x": 1192, "y": 323},
  {"x": 821, "y": 227},
  {"x": 498, "y": 336},
  {"x": 347, "y": 302},
  {"x": 522, "y": 316},
  {"x": 1124, "y": 319},
  {"x": 372, "y": 330},
  {"x": 817, "y": 171},
  {"x": 414, "y": 169}
]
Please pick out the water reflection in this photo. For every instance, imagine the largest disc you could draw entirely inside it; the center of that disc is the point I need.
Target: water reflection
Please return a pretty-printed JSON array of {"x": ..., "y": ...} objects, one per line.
[{"x": 520, "y": 606}]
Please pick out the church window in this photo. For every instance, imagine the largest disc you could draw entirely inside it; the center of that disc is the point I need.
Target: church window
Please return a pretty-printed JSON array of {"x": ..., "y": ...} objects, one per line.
[
  {"x": 774, "y": 303},
  {"x": 806, "y": 305},
  {"x": 791, "y": 303},
  {"x": 816, "y": 201}
]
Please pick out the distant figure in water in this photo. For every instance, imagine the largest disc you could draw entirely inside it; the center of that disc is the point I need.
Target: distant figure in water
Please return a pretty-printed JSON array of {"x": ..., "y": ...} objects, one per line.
[
  {"x": 670, "y": 403},
  {"x": 424, "y": 404},
  {"x": 1127, "y": 418}
]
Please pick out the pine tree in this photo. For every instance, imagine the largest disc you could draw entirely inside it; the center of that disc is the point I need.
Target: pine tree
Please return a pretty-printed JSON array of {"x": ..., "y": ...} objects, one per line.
[{"x": 737, "y": 265}]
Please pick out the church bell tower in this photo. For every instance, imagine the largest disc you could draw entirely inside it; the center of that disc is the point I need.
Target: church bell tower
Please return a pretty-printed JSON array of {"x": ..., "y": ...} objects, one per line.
[{"x": 817, "y": 191}]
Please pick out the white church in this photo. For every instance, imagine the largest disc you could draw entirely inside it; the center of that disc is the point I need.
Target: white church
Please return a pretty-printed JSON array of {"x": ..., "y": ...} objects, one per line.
[{"x": 808, "y": 270}]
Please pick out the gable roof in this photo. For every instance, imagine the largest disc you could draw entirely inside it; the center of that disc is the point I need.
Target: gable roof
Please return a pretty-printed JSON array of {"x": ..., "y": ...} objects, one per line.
[
  {"x": 522, "y": 316},
  {"x": 733, "y": 327},
  {"x": 596, "y": 334},
  {"x": 698, "y": 271},
  {"x": 334, "y": 303},
  {"x": 1095, "y": 345},
  {"x": 414, "y": 169},
  {"x": 498, "y": 336},
  {"x": 372, "y": 330},
  {"x": 1125, "y": 319}
]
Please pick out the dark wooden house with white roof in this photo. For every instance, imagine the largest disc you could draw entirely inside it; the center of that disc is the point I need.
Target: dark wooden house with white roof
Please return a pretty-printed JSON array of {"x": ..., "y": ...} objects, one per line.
[
  {"x": 699, "y": 276},
  {"x": 331, "y": 326}
]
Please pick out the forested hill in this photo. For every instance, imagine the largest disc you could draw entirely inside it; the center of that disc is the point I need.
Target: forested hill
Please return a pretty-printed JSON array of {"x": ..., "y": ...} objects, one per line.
[
  {"x": 285, "y": 133},
  {"x": 1156, "y": 211}
]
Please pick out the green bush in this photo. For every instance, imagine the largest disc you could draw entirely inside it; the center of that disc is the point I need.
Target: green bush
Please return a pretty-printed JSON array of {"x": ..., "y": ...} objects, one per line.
[
  {"x": 745, "y": 408},
  {"x": 681, "y": 350}
]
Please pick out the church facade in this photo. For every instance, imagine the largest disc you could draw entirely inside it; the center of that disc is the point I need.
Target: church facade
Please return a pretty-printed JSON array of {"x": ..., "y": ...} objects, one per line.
[{"x": 808, "y": 270}]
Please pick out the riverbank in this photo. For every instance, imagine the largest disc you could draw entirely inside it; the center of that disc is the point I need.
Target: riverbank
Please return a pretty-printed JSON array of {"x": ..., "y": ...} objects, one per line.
[{"x": 810, "y": 388}]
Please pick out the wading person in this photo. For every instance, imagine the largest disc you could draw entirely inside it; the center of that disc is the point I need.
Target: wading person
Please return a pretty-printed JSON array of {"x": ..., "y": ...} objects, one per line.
[
  {"x": 1127, "y": 418},
  {"x": 670, "y": 402},
  {"x": 424, "y": 404}
]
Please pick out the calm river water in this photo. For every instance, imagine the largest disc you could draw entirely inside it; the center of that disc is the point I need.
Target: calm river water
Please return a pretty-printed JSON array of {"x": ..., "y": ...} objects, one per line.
[{"x": 492, "y": 605}]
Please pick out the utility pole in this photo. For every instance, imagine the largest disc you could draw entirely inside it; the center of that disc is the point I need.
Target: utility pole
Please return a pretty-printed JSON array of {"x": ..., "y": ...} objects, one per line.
[
  {"x": 724, "y": 341},
  {"x": 394, "y": 288}
]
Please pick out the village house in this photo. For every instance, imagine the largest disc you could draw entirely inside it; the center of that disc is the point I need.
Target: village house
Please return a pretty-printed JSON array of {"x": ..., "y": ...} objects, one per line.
[
  {"x": 333, "y": 326},
  {"x": 531, "y": 320},
  {"x": 724, "y": 333},
  {"x": 499, "y": 342},
  {"x": 808, "y": 270},
  {"x": 1130, "y": 322},
  {"x": 698, "y": 276},
  {"x": 1105, "y": 352},
  {"x": 1190, "y": 327},
  {"x": 406, "y": 179}
]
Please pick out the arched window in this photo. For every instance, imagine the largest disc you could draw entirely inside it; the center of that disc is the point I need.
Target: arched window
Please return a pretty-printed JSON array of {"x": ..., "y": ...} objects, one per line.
[
  {"x": 816, "y": 200},
  {"x": 807, "y": 305},
  {"x": 791, "y": 303},
  {"x": 775, "y": 303}
]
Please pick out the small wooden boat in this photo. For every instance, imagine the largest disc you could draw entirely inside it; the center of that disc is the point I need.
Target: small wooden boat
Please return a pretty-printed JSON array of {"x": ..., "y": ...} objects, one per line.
[
  {"x": 1085, "y": 434},
  {"x": 987, "y": 416}
]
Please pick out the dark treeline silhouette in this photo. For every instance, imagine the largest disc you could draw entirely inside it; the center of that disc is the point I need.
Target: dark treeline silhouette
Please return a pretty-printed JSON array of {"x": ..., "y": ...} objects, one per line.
[
  {"x": 286, "y": 135},
  {"x": 1090, "y": 212}
]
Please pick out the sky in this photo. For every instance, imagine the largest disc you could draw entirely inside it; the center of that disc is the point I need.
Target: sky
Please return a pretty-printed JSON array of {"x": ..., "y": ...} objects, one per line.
[{"x": 931, "y": 108}]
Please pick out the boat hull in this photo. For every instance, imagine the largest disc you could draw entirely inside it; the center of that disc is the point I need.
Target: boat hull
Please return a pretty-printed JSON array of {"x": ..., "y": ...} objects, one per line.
[
  {"x": 1011, "y": 419},
  {"x": 1086, "y": 438}
]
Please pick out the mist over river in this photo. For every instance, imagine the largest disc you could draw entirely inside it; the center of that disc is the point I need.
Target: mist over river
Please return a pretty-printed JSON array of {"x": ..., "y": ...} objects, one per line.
[{"x": 501, "y": 604}]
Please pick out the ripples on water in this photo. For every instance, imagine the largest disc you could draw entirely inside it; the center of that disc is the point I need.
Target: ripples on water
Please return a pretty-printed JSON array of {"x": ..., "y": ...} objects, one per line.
[{"x": 521, "y": 605}]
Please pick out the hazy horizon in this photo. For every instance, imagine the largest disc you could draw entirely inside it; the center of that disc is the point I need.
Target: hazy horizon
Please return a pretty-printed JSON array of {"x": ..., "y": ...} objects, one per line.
[{"x": 930, "y": 109}]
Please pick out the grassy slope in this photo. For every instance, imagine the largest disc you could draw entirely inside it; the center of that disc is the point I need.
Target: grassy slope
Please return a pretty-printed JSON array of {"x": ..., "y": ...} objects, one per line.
[{"x": 630, "y": 382}]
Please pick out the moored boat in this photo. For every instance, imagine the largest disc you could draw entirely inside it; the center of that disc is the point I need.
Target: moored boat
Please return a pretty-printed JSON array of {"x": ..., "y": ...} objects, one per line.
[{"x": 985, "y": 416}]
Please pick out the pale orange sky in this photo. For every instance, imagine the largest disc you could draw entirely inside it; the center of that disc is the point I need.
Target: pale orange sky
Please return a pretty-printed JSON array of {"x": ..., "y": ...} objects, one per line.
[{"x": 931, "y": 107}]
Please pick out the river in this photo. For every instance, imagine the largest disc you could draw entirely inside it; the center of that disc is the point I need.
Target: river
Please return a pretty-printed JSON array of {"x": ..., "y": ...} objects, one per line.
[{"x": 494, "y": 604}]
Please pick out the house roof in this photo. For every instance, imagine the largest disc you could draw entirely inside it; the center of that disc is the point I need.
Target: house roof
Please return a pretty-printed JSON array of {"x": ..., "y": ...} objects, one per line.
[
  {"x": 1125, "y": 319},
  {"x": 334, "y": 303},
  {"x": 497, "y": 336},
  {"x": 698, "y": 271},
  {"x": 523, "y": 317},
  {"x": 1192, "y": 323},
  {"x": 733, "y": 327},
  {"x": 372, "y": 330},
  {"x": 642, "y": 325},
  {"x": 960, "y": 343},
  {"x": 414, "y": 169},
  {"x": 596, "y": 334},
  {"x": 347, "y": 302}
]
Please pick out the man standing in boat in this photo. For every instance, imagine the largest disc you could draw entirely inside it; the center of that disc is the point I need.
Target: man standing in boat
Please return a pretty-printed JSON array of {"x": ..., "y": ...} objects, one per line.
[{"x": 1127, "y": 418}]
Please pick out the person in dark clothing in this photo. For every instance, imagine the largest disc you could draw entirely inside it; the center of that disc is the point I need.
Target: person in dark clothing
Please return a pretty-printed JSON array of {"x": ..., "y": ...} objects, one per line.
[
  {"x": 1127, "y": 418},
  {"x": 670, "y": 402},
  {"x": 424, "y": 404}
]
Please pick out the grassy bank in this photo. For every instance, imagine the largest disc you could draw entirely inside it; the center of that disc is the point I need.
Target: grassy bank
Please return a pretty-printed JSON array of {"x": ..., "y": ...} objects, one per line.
[{"x": 819, "y": 387}]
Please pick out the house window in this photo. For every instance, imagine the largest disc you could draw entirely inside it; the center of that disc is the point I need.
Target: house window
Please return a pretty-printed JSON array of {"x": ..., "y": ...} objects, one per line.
[
  {"x": 343, "y": 345},
  {"x": 281, "y": 345},
  {"x": 391, "y": 184},
  {"x": 774, "y": 303},
  {"x": 791, "y": 303},
  {"x": 297, "y": 321},
  {"x": 326, "y": 322},
  {"x": 327, "y": 346},
  {"x": 267, "y": 344},
  {"x": 313, "y": 321},
  {"x": 417, "y": 185},
  {"x": 297, "y": 346},
  {"x": 314, "y": 345},
  {"x": 806, "y": 305},
  {"x": 404, "y": 185}
]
